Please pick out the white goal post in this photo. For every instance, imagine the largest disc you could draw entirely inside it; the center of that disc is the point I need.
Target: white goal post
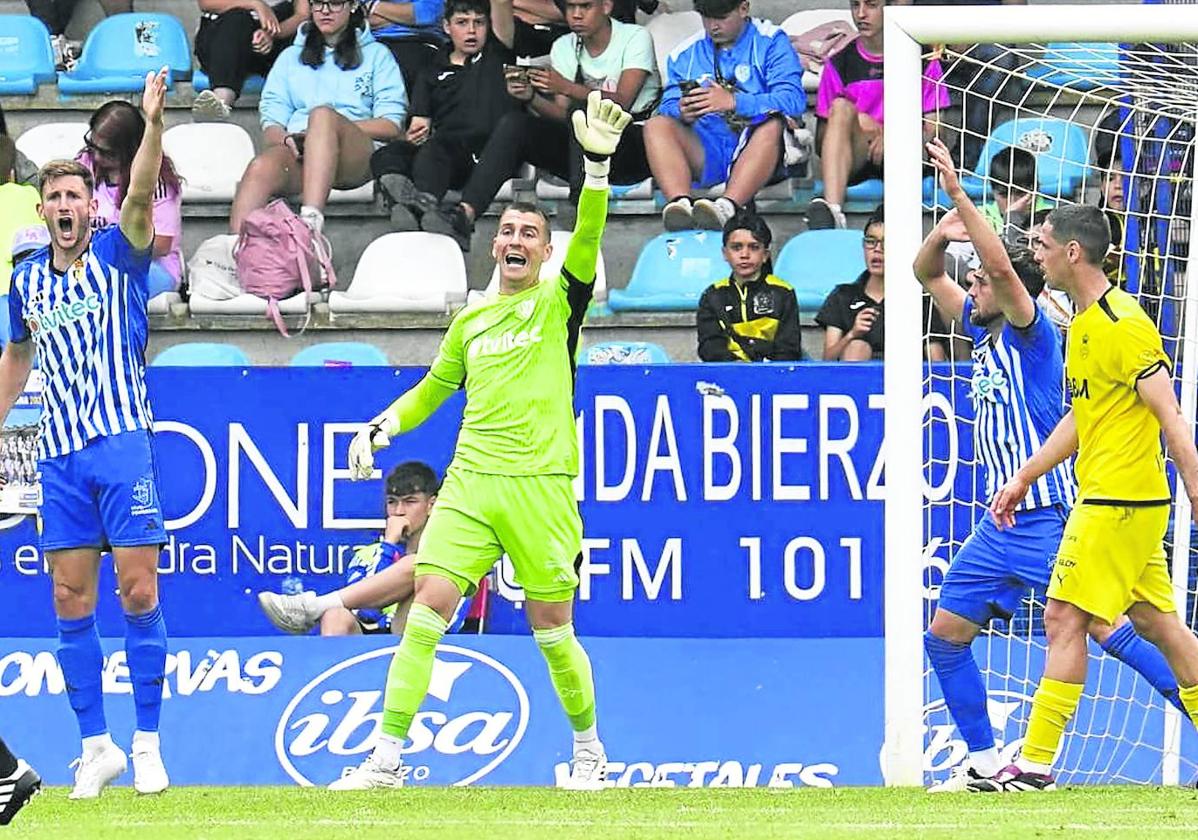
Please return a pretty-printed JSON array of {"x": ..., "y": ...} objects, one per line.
[{"x": 910, "y": 32}]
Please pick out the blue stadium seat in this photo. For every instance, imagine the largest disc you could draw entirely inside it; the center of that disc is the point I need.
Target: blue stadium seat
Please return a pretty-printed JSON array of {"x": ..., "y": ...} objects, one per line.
[
  {"x": 202, "y": 354},
  {"x": 864, "y": 196},
  {"x": 672, "y": 271},
  {"x": 626, "y": 353},
  {"x": 816, "y": 261},
  {"x": 200, "y": 81},
  {"x": 1080, "y": 66},
  {"x": 123, "y": 48},
  {"x": 340, "y": 354},
  {"x": 26, "y": 57},
  {"x": 1061, "y": 148}
]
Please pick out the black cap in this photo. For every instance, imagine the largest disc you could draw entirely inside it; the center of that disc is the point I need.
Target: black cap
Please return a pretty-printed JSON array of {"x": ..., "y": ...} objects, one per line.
[{"x": 716, "y": 8}]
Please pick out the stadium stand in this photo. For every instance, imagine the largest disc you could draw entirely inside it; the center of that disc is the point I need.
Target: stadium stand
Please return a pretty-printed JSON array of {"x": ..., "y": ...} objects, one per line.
[
  {"x": 817, "y": 261},
  {"x": 200, "y": 81},
  {"x": 202, "y": 354},
  {"x": 209, "y": 157},
  {"x": 123, "y": 48},
  {"x": 669, "y": 31},
  {"x": 805, "y": 21},
  {"x": 671, "y": 273},
  {"x": 1061, "y": 148},
  {"x": 26, "y": 55},
  {"x": 340, "y": 354},
  {"x": 52, "y": 141},
  {"x": 1076, "y": 65},
  {"x": 437, "y": 285}
]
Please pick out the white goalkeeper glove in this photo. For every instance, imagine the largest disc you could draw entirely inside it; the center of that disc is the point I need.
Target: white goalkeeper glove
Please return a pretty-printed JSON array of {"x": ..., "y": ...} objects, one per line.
[
  {"x": 598, "y": 132},
  {"x": 372, "y": 437}
]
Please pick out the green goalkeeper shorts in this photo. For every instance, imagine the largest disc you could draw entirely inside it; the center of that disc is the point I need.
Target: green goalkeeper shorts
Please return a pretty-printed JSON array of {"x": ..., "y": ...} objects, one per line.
[{"x": 479, "y": 516}]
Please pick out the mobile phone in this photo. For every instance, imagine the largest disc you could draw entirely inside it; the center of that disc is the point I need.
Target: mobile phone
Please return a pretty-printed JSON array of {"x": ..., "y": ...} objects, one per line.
[
  {"x": 516, "y": 71},
  {"x": 687, "y": 85}
]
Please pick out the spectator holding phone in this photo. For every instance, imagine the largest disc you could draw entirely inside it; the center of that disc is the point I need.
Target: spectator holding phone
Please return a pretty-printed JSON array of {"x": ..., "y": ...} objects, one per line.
[
  {"x": 751, "y": 315},
  {"x": 456, "y": 106},
  {"x": 598, "y": 54},
  {"x": 730, "y": 100},
  {"x": 330, "y": 97},
  {"x": 238, "y": 39}
]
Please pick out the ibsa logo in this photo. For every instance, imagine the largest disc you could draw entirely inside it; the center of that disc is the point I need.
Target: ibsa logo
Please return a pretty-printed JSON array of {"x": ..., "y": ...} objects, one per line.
[
  {"x": 473, "y": 718},
  {"x": 487, "y": 346},
  {"x": 1008, "y": 712},
  {"x": 63, "y": 313}
]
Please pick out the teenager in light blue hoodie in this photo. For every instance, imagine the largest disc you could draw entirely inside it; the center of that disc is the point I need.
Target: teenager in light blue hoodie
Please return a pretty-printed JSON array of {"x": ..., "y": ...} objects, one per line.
[{"x": 330, "y": 99}]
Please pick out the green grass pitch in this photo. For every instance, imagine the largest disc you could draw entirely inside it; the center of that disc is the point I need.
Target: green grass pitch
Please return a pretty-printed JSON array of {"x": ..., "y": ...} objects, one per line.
[{"x": 546, "y": 814}]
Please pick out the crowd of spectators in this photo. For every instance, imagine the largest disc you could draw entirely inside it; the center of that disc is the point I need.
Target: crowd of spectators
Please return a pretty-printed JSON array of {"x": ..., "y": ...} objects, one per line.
[{"x": 439, "y": 98}]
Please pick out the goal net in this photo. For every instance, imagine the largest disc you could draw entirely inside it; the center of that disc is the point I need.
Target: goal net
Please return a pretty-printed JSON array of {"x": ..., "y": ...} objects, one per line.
[{"x": 1110, "y": 124}]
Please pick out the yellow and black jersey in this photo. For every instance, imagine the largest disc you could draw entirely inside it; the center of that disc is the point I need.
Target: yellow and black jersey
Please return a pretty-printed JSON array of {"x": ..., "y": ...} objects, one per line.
[
  {"x": 753, "y": 322},
  {"x": 1112, "y": 345}
]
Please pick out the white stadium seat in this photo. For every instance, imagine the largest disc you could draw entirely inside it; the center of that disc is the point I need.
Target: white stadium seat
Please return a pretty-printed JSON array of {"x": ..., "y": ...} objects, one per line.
[
  {"x": 560, "y": 239},
  {"x": 161, "y": 304},
  {"x": 52, "y": 141},
  {"x": 363, "y": 194},
  {"x": 210, "y": 157},
  {"x": 669, "y": 31},
  {"x": 405, "y": 272},
  {"x": 246, "y": 304}
]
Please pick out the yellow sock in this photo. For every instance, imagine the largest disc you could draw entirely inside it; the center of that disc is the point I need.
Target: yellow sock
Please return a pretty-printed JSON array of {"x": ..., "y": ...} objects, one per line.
[
  {"x": 1054, "y": 703},
  {"x": 1189, "y": 699}
]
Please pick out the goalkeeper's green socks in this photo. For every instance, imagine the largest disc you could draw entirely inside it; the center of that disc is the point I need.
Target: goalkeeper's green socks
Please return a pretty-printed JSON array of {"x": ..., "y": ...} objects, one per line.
[
  {"x": 407, "y": 680},
  {"x": 1052, "y": 707},
  {"x": 570, "y": 672}
]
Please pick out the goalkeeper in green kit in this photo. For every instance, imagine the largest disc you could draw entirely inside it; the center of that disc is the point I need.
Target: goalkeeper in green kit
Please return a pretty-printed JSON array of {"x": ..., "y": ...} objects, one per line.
[{"x": 509, "y": 487}]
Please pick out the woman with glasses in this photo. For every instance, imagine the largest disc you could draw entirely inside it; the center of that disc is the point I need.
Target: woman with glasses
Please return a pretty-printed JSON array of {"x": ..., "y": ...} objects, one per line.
[
  {"x": 331, "y": 98},
  {"x": 113, "y": 136},
  {"x": 238, "y": 39}
]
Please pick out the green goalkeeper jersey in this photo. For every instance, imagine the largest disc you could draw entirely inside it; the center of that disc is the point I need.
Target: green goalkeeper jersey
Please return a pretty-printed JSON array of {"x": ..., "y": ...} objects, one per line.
[{"x": 515, "y": 357}]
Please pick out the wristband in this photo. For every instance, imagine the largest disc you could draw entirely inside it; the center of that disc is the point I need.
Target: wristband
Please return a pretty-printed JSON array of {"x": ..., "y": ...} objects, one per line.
[
  {"x": 389, "y": 551},
  {"x": 595, "y": 169}
]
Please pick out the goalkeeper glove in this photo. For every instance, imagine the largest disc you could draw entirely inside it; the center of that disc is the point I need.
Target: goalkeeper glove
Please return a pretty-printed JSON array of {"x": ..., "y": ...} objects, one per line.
[
  {"x": 598, "y": 132},
  {"x": 370, "y": 439}
]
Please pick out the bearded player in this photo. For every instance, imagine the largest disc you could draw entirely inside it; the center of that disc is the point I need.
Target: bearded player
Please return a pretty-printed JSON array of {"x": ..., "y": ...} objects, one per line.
[{"x": 509, "y": 487}]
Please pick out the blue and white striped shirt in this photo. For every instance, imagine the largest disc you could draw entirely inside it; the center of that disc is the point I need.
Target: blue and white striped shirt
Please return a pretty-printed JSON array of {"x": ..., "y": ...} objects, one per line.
[
  {"x": 1018, "y": 395},
  {"x": 89, "y": 328}
]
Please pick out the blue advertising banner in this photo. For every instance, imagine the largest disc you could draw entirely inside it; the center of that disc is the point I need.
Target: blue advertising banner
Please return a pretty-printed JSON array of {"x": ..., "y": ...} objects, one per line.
[
  {"x": 718, "y": 500},
  {"x": 672, "y": 712}
]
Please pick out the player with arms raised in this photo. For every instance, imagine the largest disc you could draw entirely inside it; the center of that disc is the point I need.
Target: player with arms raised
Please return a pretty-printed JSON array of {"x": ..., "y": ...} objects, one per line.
[
  {"x": 1111, "y": 559},
  {"x": 1018, "y": 397},
  {"x": 82, "y": 301},
  {"x": 510, "y": 485}
]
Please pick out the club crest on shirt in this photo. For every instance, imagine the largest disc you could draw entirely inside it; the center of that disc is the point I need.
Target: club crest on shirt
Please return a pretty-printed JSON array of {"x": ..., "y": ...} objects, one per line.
[
  {"x": 763, "y": 303},
  {"x": 143, "y": 497}
]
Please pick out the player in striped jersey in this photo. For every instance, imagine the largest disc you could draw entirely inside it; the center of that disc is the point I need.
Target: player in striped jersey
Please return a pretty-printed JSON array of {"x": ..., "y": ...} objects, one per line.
[
  {"x": 1017, "y": 390},
  {"x": 80, "y": 304},
  {"x": 509, "y": 487}
]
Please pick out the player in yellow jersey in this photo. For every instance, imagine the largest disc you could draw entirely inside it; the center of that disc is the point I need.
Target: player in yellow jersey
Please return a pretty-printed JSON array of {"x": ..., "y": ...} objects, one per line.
[{"x": 1111, "y": 559}]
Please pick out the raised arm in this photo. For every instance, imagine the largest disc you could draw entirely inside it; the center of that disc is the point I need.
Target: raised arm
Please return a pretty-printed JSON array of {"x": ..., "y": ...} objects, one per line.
[
  {"x": 929, "y": 266},
  {"x": 598, "y": 131},
  {"x": 1009, "y": 292},
  {"x": 137, "y": 211}
]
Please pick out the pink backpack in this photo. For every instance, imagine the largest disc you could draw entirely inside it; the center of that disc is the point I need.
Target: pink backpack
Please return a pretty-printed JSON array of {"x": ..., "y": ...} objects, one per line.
[
  {"x": 279, "y": 256},
  {"x": 817, "y": 45}
]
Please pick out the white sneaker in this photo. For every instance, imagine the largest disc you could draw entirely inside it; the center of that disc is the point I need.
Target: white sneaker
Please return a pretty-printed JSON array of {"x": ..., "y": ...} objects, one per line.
[
  {"x": 208, "y": 107},
  {"x": 588, "y": 770},
  {"x": 958, "y": 780},
  {"x": 369, "y": 775},
  {"x": 290, "y": 613},
  {"x": 713, "y": 215},
  {"x": 149, "y": 773},
  {"x": 678, "y": 214},
  {"x": 93, "y": 774}
]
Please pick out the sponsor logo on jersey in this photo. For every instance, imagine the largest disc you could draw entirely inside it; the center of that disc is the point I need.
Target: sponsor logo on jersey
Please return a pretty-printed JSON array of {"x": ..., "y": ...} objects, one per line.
[
  {"x": 987, "y": 386},
  {"x": 63, "y": 313},
  {"x": 474, "y": 717},
  {"x": 486, "y": 345},
  {"x": 525, "y": 308}
]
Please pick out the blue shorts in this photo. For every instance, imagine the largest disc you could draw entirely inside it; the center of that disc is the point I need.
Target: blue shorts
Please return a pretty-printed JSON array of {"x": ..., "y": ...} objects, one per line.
[
  {"x": 103, "y": 495},
  {"x": 994, "y": 569},
  {"x": 721, "y": 148}
]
